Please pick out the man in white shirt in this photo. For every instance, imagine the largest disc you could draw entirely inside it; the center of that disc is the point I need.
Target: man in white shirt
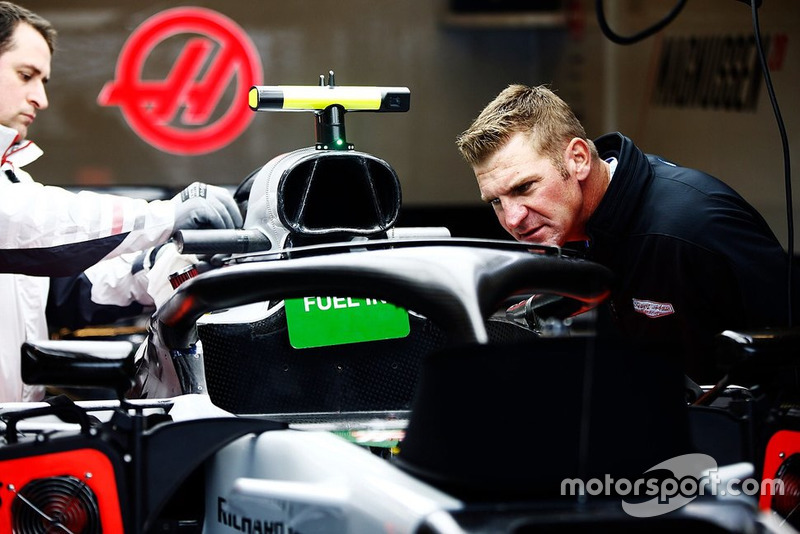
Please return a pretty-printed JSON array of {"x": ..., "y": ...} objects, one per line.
[{"x": 49, "y": 231}]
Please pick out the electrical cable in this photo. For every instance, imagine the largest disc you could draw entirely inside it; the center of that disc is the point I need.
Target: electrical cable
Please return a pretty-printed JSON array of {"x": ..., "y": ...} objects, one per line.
[
  {"x": 785, "y": 144},
  {"x": 635, "y": 38}
]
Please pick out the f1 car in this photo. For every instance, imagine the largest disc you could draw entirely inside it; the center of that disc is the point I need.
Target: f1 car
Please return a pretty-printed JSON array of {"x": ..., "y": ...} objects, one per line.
[{"x": 327, "y": 371}]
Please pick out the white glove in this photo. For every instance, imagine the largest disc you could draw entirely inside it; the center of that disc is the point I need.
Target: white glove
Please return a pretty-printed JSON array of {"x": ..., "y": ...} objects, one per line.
[
  {"x": 205, "y": 206},
  {"x": 168, "y": 261}
]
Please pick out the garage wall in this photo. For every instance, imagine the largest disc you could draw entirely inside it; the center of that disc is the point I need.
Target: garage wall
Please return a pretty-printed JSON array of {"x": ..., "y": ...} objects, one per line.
[{"x": 451, "y": 72}]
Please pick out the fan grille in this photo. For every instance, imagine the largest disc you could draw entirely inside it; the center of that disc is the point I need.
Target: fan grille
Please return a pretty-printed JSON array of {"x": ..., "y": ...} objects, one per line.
[{"x": 56, "y": 505}]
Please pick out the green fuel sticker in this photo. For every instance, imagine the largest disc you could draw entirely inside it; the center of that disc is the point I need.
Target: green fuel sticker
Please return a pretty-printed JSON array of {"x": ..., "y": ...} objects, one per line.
[{"x": 325, "y": 321}]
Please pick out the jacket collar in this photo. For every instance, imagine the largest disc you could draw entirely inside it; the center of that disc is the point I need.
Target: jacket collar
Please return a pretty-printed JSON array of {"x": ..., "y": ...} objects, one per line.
[
  {"x": 622, "y": 198},
  {"x": 17, "y": 153}
]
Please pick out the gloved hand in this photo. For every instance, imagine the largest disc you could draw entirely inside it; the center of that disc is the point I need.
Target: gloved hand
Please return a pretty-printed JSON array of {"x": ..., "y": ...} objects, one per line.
[{"x": 205, "y": 206}]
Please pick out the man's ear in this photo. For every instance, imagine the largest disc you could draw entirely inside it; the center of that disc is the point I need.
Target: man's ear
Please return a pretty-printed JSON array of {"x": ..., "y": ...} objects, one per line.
[{"x": 577, "y": 158}]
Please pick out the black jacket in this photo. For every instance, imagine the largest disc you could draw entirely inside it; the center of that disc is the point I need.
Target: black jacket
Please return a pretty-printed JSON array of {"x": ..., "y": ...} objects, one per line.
[{"x": 692, "y": 257}]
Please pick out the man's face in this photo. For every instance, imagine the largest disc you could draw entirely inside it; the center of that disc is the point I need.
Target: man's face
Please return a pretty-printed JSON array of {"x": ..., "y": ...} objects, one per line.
[
  {"x": 535, "y": 201},
  {"x": 24, "y": 70}
]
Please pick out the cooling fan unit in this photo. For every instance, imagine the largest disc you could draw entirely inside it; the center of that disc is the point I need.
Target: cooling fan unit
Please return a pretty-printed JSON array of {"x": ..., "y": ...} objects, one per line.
[
  {"x": 63, "y": 492},
  {"x": 55, "y": 504}
]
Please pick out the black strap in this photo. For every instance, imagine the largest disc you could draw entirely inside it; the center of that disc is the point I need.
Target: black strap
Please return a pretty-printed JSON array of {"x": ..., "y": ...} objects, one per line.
[{"x": 12, "y": 177}]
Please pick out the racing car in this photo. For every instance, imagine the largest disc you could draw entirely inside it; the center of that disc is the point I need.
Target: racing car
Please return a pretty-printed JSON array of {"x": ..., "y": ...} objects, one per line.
[{"x": 440, "y": 397}]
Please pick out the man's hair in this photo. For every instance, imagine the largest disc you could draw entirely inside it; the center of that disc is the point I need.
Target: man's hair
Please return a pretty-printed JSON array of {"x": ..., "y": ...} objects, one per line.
[
  {"x": 537, "y": 111},
  {"x": 11, "y": 15}
]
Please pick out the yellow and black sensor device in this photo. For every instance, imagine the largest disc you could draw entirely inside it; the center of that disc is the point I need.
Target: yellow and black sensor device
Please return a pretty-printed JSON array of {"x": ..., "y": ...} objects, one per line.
[
  {"x": 317, "y": 98},
  {"x": 329, "y": 102}
]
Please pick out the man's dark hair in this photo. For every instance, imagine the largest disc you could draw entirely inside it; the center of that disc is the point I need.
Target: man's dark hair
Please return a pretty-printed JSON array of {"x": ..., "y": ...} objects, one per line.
[{"x": 12, "y": 14}]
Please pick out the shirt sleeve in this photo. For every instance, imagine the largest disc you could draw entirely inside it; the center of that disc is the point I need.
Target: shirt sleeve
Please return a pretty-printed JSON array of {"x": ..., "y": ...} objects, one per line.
[
  {"x": 49, "y": 231},
  {"x": 108, "y": 291}
]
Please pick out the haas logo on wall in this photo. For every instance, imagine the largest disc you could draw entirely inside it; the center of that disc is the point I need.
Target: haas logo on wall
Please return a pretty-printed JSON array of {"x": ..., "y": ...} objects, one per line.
[{"x": 184, "y": 111}]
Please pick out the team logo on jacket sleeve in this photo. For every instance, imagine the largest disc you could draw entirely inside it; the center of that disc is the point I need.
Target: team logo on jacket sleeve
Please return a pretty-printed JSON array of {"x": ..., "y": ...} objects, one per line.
[{"x": 652, "y": 308}]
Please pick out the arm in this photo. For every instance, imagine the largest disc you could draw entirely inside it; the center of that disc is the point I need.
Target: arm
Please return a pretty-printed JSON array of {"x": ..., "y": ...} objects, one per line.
[
  {"x": 111, "y": 290},
  {"x": 49, "y": 231}
]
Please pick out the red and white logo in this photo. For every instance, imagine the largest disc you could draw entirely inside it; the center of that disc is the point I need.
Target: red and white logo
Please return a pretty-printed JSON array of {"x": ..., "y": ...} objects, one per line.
[
  {"x": 178, "y": 113},
  {"x": 652, "y": 309}
]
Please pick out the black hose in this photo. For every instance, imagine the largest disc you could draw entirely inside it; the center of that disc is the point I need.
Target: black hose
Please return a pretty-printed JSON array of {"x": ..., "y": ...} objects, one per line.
[
  {"x": 647, "y": 32},
  {"x": 786, "y": 160}
]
